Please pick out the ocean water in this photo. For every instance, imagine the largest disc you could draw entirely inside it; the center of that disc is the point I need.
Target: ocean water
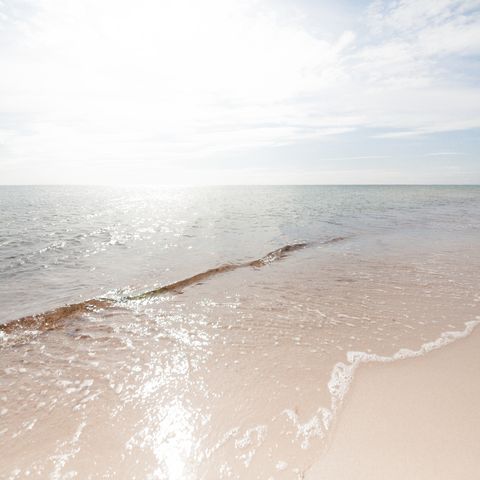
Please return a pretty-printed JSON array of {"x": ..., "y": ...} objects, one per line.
[{"x": 179, "y": 333}]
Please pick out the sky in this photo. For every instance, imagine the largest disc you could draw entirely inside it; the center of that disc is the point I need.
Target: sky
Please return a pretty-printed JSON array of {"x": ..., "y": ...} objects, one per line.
[{"x": 239, "y": 91}]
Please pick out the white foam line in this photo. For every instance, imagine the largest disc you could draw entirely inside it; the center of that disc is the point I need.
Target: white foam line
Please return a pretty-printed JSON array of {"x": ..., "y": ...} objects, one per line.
[
  {"x": 248, "y": 440},
  {"x": 61, "y": 459},
  {"x": 343, "y": 373}
]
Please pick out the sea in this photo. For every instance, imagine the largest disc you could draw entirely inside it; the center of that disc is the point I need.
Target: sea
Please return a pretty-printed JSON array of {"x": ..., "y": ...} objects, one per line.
[{"x": 213, "y": 332}]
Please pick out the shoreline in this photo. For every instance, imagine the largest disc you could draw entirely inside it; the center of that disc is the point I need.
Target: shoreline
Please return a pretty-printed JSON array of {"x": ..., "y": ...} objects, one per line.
[{"x": 415, "y": 418}]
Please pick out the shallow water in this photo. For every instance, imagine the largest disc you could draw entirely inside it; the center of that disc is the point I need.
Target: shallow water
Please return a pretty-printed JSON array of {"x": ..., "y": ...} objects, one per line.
[{"x": 229, "y": 375}]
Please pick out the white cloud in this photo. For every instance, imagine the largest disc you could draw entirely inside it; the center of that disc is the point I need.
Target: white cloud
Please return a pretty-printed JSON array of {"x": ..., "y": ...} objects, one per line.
[
  {"x": 443, "y": 154},
  {"x": 112, "y": 82}
]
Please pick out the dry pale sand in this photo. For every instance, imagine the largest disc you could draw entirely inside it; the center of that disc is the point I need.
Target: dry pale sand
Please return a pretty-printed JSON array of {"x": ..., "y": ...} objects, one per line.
[{"x": 412, "y": 419}]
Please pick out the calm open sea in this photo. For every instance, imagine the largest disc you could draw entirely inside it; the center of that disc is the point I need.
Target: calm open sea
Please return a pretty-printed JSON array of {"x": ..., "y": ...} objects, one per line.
[{"x": 208, "y": 332}]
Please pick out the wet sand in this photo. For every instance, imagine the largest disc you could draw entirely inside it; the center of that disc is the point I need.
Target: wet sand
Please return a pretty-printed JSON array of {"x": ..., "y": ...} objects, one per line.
[
  {"x": 416, "y": 418},
  {"x": 232, "y": 379}
]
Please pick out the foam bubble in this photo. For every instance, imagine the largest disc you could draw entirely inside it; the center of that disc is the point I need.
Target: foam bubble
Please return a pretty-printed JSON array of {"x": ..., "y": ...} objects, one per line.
[{"x": 343, "y": 373}]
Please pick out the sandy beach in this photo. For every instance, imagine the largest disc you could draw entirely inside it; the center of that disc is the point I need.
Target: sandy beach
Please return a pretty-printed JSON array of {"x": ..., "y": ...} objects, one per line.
[{"x": 412, "y": 419}]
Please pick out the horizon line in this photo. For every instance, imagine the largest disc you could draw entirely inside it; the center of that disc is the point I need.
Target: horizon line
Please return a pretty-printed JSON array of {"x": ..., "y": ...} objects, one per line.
[{"x": 240, "y": 185}]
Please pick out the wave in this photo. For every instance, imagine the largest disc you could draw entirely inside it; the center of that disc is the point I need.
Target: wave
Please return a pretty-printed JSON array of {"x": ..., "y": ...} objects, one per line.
[
  {"x": 177, "y": 287},
  {"x": 53, "y": 319},
  {"x": 343, "y": 373}
]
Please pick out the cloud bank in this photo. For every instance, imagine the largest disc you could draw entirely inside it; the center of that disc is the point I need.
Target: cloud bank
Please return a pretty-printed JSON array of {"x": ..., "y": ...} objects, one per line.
[{"x": 99, "y": 90}]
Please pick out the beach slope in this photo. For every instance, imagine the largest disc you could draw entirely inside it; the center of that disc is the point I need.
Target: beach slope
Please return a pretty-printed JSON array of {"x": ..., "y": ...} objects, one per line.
[{"x": 417, "y": 419}]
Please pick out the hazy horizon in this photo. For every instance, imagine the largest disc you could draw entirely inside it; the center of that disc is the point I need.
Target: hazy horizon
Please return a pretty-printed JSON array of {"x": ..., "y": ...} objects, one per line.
[{"x": 187, "y": 185}]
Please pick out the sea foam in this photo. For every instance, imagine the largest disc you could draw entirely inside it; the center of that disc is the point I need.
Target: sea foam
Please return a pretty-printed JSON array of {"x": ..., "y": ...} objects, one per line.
[{"x": 343, "y": 373}]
